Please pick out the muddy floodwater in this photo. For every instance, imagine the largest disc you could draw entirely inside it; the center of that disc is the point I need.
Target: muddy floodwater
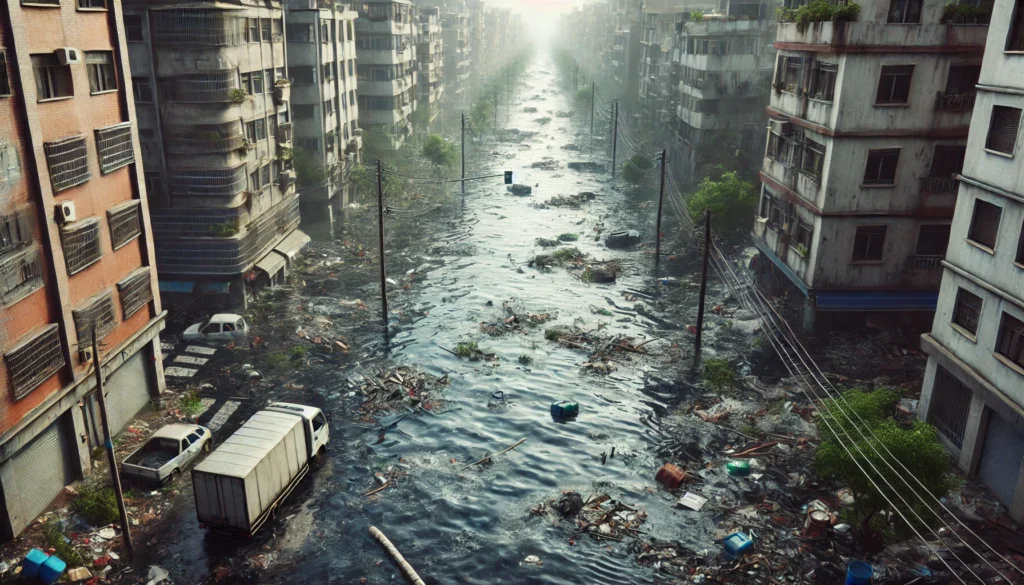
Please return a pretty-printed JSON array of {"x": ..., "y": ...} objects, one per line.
[{"x": 470, "y": 257}]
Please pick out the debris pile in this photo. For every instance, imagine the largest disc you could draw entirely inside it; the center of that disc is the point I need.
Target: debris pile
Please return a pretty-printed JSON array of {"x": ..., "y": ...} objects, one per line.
[
  {"x": 569, "y": 201},
  {"x": 399, "y": 389},
  {"x": 516, "y": 320},
  {"x": 601, "y": 347},
  {"x": 601, "y": 517},
  {"x": 547, "y": 164}
]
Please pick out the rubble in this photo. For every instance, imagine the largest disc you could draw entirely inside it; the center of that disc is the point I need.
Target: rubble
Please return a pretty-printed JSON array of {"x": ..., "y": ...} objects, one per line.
[
  {"x": 567, "y": 201},
  {"x": 587, "y": 166},
  {"x": 516, "y": 320},
  {"x": 399, "y": 389}
]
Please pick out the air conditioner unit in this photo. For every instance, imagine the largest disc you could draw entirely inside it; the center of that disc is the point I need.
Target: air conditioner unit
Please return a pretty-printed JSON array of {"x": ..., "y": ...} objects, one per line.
[
  {"x": 68, "y": 56},
  {"x": 65, "y": 212},
  {"x": 780, "y": 127},
  {"x": 85, "y": 354}
]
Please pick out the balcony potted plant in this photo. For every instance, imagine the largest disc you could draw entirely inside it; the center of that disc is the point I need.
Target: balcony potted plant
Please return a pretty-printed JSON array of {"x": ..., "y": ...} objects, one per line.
[
  {"x": 237, "y": 96},
  {"x": 282, "y": 90}
]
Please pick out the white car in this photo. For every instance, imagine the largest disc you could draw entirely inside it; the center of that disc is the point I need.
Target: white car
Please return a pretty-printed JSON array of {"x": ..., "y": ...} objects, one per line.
[
  {"x": 167, "y": 452},
  {"x": 220, "y": 327}
]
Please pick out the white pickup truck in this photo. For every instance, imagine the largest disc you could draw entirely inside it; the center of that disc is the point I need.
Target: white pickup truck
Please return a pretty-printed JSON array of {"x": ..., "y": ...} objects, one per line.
[{"x": 241, "y": 484}]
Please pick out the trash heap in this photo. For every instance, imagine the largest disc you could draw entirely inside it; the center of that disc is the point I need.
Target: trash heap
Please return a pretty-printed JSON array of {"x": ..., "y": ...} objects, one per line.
[
  {"x": 601, "y": 347},
  {"x": 516, "y": 320},
  {"x": 399, "y": 389},
  {"x": 600, "y": 517},
  {"x": 568, "y": 201}
]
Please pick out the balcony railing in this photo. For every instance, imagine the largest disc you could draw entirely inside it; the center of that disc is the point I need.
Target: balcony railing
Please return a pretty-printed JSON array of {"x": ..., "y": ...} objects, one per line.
[
  {"x": 189, "y": 27},
  {"x": 938, "y": 184},
  {"x": 201, "y": 88},
  {"x": 209, "y": 182},
  {"x": 205, "y": 138},
  {"x": 956, "y": 102},
  {"x": 925, "y": 262}
]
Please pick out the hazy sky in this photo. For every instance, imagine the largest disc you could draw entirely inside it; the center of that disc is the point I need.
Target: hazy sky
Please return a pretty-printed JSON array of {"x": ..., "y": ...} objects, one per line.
[{"x": 539, "y": 15}]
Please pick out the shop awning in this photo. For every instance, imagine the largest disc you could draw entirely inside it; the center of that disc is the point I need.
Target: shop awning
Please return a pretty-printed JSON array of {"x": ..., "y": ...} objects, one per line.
[
  {"x": 217, "y": 288},
  {"x": 177, "y": 286},
  {"x": 293, "y": 244},
  {"x": 911, "y": 300},
  {"x": 272, "y": 263},
  {"x": 783, "y": 268}
]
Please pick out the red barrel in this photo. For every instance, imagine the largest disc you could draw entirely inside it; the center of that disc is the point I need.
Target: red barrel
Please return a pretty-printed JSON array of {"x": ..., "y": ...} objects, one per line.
[{"x": 670, "y": 476}]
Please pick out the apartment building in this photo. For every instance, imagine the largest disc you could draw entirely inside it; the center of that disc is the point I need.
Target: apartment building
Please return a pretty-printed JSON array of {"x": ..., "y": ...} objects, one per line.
[
  {"x": 655, "y": 91},
  {"x": 386, "y": 68},
  {"x": 722, "y": 65},
  {"x": 973, "y": 388},
  {"x": 430, "y": 80},
  {"x": 456, "y": 49},
  {"x": 868, "y": 127},
  {"x": 325, "y": 132},
  {"x": 211, "y": 93},
  {"x": 76, "y": 248}
]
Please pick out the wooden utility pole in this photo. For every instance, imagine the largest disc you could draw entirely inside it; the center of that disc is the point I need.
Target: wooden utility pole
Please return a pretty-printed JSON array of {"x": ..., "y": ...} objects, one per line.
[
  {"x": 463, "y": 154},
  {"x": 108, "y": 444},
  {"x": 380, "y": 236},
  {"x": 703, "y": 280},
  {"x": 661, "y": 201},
  {"x": 593, "y": 96},
  {"x": 615, "y": 137},
  {"x": 508, "y": 95},
  {"x": 495, "y": 107}
]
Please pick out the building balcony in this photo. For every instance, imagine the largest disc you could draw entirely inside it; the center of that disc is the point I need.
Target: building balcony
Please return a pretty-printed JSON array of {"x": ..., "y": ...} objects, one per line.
[
  {"x": 861, "y": 33},
  {"x": 221, "y": 183},
  {"x": 783, "y": 246},
  {"x": 939, "y": 185},
  {"x": 205, "y": 138},
  {"x": 956, "y": 102},
  {"x": 202, "y": 88},
  {"x": 924, "y": 271}
]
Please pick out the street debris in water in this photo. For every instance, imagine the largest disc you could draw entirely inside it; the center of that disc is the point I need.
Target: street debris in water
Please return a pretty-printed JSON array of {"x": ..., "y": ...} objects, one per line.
[
  {"x": 516, "y": 320},
  {"x": 400, "y": 389}
]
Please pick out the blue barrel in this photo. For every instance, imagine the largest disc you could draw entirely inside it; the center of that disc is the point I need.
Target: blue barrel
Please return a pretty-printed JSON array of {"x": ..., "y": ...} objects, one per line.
[
  {"x": 736, "y": 545},
  {"x": 564, "y": 409},
  {"x": 51, "y": 570},
  {"x": 859, "y": 573},
  {"x": 33, "y": 560}
]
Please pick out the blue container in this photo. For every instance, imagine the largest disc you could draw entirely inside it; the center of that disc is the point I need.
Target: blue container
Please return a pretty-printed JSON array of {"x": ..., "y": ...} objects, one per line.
[
  {"x": 33, "y": 560},
  {"x": 564, "y": 409},
  {"x": 859, "y": 573},
  {"x": 52, "y": 570},
  {"x": 736, "y": 545}
]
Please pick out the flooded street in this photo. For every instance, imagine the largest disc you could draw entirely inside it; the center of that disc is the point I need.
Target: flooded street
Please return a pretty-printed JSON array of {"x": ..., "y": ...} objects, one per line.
[{"x": 470, "y": 257}]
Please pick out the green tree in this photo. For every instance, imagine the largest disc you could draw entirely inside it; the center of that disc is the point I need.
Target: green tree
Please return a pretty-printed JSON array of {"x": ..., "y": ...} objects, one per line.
[
  {"x": 308, "y": 168},
  {"x": 634, "y": 169},
  {"x": 916, "y": 445},
  {"x": 732, "y": 201},
  {"x": 439, "y": 151},
  {"x": 481, "y": 115},
  {"x": 365, "y": 180}
]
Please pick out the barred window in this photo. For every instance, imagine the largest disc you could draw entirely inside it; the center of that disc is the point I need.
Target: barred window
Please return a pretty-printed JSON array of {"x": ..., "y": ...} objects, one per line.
[
  {"x": 15, "y": 229},
  {"x": 20, "y": 274},
  {"x": 114, "y": 146},
  {"x": 68, "y": 162},
  {"x": 985, "y": 223},
  {"x": 81, "y": 243},
  {"x": 967, "y": 311},
  {"x": 97, "y": 312},
  {"x": 136, "y": 291},
  {"x": 1011, "y": 339},
  {"x": 125, "y": 223},
  {"x": 35, "y": 360},
  {"x": 1002, "y": 129},
  {"x": 208, "y": 182}
]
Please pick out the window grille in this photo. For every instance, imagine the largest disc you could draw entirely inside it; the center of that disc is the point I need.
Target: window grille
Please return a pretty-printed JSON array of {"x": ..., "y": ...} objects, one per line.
[
  {"x": 197, "y": 27},
  {"x": 15, "y": 229},
  {"x": 1011, "y": 339},
  {"x": 985, "y": 223},
  {"x": 125, "y": 224},
  {"x": 1002, "y": 129},
  {"x": 96, "y": 312},
  {"x": 967, "y": 311},
  {"x": 136, "y": 291},
  {"x": 68, "y": 162},
  {"x": 200, "y": 88},
  {"x": 81, "y": 243},
  {"x": 950, "y": 405},
  {"x": 204, "y": 138},
  {"x": 35, "y": 360},
  {"x": 114, "y": 146},
  {"x": 20, "y": 274},
  {"x": 191, "y": 182}
]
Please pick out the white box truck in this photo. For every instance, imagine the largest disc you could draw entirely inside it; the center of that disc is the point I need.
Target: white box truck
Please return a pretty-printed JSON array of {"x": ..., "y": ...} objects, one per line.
[{"x": 243, "y": 482}]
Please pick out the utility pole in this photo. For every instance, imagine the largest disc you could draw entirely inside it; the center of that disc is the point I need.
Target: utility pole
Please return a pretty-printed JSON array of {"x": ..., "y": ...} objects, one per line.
[
  {"x": 661, "y": 200},
  {"x": 575, "y": 78},
  {"x": 615, "y": 137},
  {"x": 593, "y": 96},
  {"x": 463, "y": 154},
  {"x": 508, "y": 95},
  {"x": 495, "y": 107},
  {"x": 108, "y": 444},
  {"x": 703, "y": 280},
  {"x": 380, "y": 236}
]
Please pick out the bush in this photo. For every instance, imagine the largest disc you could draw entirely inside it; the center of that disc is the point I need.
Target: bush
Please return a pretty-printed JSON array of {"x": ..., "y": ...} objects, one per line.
[
  {"x": 718, "y": 374},
  {"x": 480, "y": 116},
  {"x": 563, "y": 255},
  {"x": 439, "y": 151},
  {"x": 224, "y": 230},
  {"x": 634, "y": 169},
  {"x": 97, "y": 505},
  {"x": 818, "y": 11},
  {"x": 467, "y": 349},
  {"x": 966, "y": 14},
  {"x": 567, "y": 237},
  {"x": 916, "y": 445},
  {"x": 732, "y": 201},
  {"x": 297, "y": 353},
  {"x": 191, "y": 404},
  {"x": 276, "y": 361},
  {"x": 54, "y": 534},
  {"x": 697, "y": 15}
]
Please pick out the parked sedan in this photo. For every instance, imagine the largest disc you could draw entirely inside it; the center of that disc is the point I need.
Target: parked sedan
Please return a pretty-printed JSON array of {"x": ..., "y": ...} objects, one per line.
[
  {"x": 167, "y": 452},
  {"x": 220, "y": 327}
]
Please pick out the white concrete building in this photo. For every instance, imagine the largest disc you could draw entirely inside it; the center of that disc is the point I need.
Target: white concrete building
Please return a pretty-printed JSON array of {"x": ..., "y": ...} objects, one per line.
[
  {"x": 386, "y": 67},
  {"x": 868, "y": 126},
  {"x": 973, "y": 389},
  {"x": 325, "y": 127},
  {"x": 430, "y": 80},
  {"x": 455, "y": 44}
]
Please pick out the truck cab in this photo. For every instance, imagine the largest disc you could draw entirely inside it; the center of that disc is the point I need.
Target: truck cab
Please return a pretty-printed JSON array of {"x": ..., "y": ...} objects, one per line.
[{"x": 318, "y": 429}]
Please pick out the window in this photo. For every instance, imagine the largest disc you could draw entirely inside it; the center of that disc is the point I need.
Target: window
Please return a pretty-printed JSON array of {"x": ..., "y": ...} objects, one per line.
[
  {"x": 114, "y": 147},
  {"x": 124, "y": 222},
  {"x": 300, "y": 33},
  {"x": 823, "y": 83},
  {"x": 325, "y": 35},
  {"x": 68, "y": 162},
  {"x": 813, "y": 160},
  {"x": 1011, "y": 339},
  {"x": 308, "y": 143},
  {"x": 32, "y": 362},
  {"x": 881, "y": 169},
  {"x": 255, "y": 86},
  {"x": 278, "y": 29},
  {"x": 228, "y": 327},
  {"x": 20, "y": 274},
  {"x": 1002, "y": 129},
  {"x": 303, "y": 75},
  {"x": 905, "y": 11},
  {"x": 100, "y": 66},
  {"x": 1015, "y": 40},
  {"x": 329, "y": 140},
  {"x": 950, "y": 406},
  {"x": 135, "y": 291},
  {"x": 5, "y": 79},
  {"x": 133, "y": 28},
  {"x": 962, "y": 79},
  {"x": 804, "y": 233},
  {"x": 268, "y": 81},
  {"x": 894, "y": 84},
  {"x": 15, "y": 229},
  {"x": 932, "y": 240},
  {"x": 351, "y": 67},
  {"x": 253, "y": 30},
  {"x": 302, "y": 111},
  {"x": 256, "y": 130},
  {"x": 328, "y": 72},
  {"x": 868, "y": 243},
  {"x": 272, "y": 126},
  {"x": 947, "y": 161},
  {"x": 344, "y": 130},
  {"x": 789, "y": 74},
  {"x": 985, "y": 224},
  {"x": 142, "y": 90},
  {"x": 265, "y": 30},
  {"x": 265, "y": 174},
  {"x": 93, "y": 4},
  {"x": 98, "y": 313},
  {"x": 780, "y": 215},
  {"x": 53, "y": 80},
  {"x": 967, "y": 310},
  {"x": 328, "y": 108},
  {"x": 81, "y": 243},
  {"x": 154, "y": 186},
  {"x": 1020, "y": 247}
]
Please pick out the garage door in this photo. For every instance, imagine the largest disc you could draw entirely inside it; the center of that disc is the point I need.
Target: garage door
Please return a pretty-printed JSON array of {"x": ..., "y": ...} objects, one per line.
[
  {"x": 41, "y": 470},
  {"x": 1001, "y": 458},
  {"x": 127, "y": 391}
]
